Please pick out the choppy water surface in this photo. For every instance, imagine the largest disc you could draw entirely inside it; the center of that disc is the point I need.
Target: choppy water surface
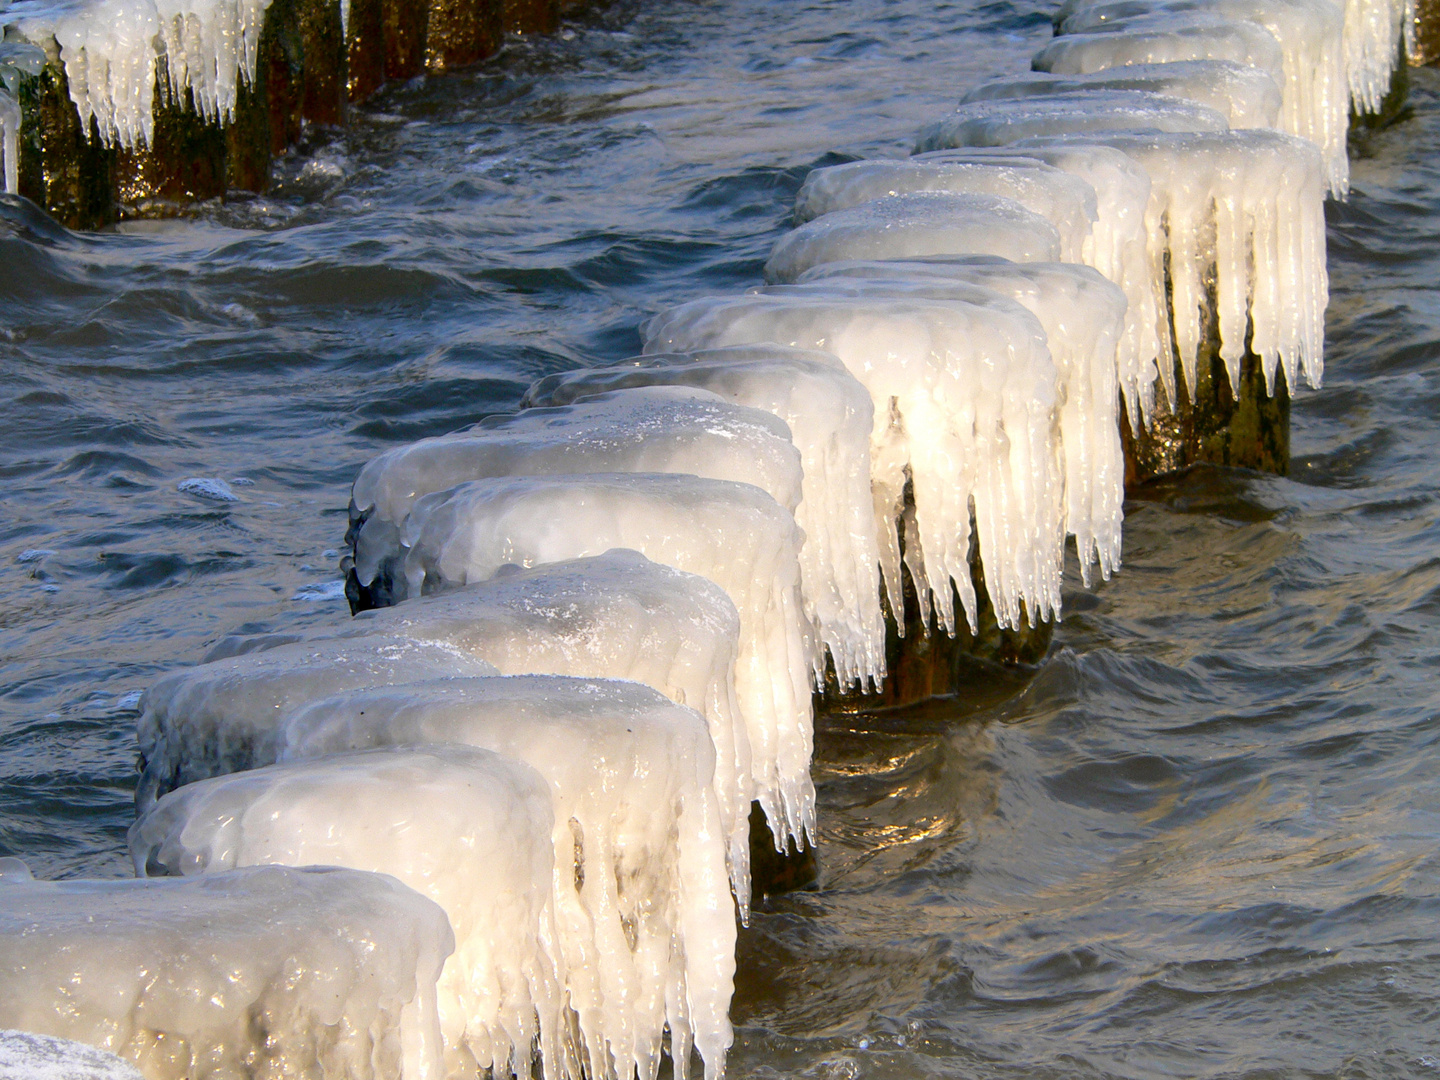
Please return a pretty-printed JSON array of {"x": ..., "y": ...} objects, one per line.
[{"x": 1201, "y": 842}]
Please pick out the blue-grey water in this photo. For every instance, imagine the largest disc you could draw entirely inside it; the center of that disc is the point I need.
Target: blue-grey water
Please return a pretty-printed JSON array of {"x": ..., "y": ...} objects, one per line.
[{"x": 1203, "y": 840}]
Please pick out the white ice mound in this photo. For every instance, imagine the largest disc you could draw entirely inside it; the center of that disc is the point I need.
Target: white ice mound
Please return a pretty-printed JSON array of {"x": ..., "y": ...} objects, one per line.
[
  {"x": 1066, "y": 201},
  {"x": 965, "y": 408},
  {"x": 644, "y": 429},
  {"x": 1084, "y": 319},
  {"x": 1250, "y": 205},
  {"x": 27, "y": 1056},
  {"x": 1118, "y": 245},
  {"x": 224, "y": 715},
  {"x": 1247, "y": 96},
  {"x": 618, "y": 616},
  {"x": 643, "y": 909},
  {"x": 1316, "y": 100},
  {"x": 468, "y": 828},
  {"x": 830, "y": 416},
  {"x": 112, "y": 53},
  {"x": 1002, "y": 121},
  {"x": 1163, "y": 38},
  {"x": 1375, "y": 32},
  {"x": 919, "y": 223},
  {"x": 734, "y": 534},
  {"x": 268, "y": 971}
]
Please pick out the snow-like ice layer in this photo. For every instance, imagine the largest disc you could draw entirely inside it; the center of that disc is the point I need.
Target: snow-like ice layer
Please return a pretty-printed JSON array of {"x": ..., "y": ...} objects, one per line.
[
  {"x": 1118, "y": 247},
  {"x": 830, "y": 416},
  {"x": 965, "y": 407},
  {"x": 1250, "y": 205},
  {"x": 734, "y": 534},
  {"x": 918, "y": 223},
  {"x": 1164, "y": 38},
  {"x": 646, "y": 923},
  {"x": 468, "y": 828},
  {"x": 111, "y": 49},
  {"x": 222, "y": 716},
  {"x": 1247, "y": 96},
  {"x": 27, "y": 1056},
  {"x": 269, "y": 971},
  {"x": 616, "y": 615},
  {"x": 1066, "y": 201},
  {"x": 1002, "y": 121},
  {"x": 645, "y": 429},
  {"x": 1084, "y": 318},
  {"x": 1375, "y": 31},
  {"x": 1316, "y": 100}
]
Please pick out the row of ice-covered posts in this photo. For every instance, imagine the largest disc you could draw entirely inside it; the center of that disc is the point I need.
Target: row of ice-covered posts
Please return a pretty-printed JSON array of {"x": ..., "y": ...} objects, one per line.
[{"x": 594, "y": 626}]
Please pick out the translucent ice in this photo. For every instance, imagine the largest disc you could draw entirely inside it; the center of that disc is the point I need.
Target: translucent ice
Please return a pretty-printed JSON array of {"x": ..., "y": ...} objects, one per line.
[
  {"x": 1250, "y": 205},
  {"x": 1163, "y": 38},
  {"x": 646, "y": 923},
  {"x": 466, "y": 827},
  {"x": 266, "y": 971},
  {"x": 1375, "y": 30},
  {"x": 1066, "y": 201},
  {"x": 1247, "y": 96},
  {"x": 9, "y": 142},
  {"x": 920, "y": 223},
  {"x": 221, "y": 716},
  {"x": 1002, "y": 121},
  {"x": 830, "y": 416},
  {"x": 734, "y": 534},
  {"x": 1084, "y": 317},
  {"x": 965, "y": 408}
]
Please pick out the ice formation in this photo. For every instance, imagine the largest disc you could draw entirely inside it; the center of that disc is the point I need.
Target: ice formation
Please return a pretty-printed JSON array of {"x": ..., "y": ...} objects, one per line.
[
  {"x": 919, "y": 223},
  {"x": 10, "y": 142},
  {"x": 616, "y": 615},
  {"x": 1375, "y": 31},
  {"x": 1118, "y": 246},
  {"x": 222, "y": 716},
  {"x": 1316, "y": 103},
  {"x": 734, "y": 534},
  {"x": 644, "y": 429},
  {"x": 27, "y": 1056},
  {"x": 639, "y": 849},
  {"x": 1250, "y": 204},
  {"x": 1162, "y": 38},
  {"x": 466, "y": 827},
  {"x": 965, "y": 398},
  {"x": 266, "y": 971},
  {"x": 1247, "y": 96},
  {"x": 1066, "y": 201},
  {"x": 17, "y": 60},
  {"x": 1084, "y": 317},
  {"x": 1003, "y": 121},
  {"x": 830, "y": 416}
]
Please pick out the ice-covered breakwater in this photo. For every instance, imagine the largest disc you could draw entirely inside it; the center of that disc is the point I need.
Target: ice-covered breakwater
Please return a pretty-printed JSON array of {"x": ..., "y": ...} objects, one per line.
[{"x": 594, "y": 628}]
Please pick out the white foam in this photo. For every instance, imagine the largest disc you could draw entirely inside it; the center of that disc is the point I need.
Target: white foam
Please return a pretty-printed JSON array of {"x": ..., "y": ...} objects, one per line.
[
  {"x": 466, "y": 827},
  {"x": 830, "y": 416},
  {"x": 919, "y": 223},
  {"x": 175, "y": 974}
]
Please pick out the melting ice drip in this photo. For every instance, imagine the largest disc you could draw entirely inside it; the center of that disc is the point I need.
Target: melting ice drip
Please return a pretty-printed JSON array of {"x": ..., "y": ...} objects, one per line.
[{"x": 17, "y": 60}]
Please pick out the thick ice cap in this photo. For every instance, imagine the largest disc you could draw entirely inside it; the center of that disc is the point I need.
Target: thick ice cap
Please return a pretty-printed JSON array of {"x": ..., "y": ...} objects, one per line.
[
  {"x": 1003, "y": 121},
  {"x": 173, "y": 973},
  {"x": 466, "y": 827},
  {"x": 965, "y": 409},
  {"x": 639, "y": 847},
  {"x": 830, "y": 416},
  {"x": 920, "y": 223},
  {"x": 1163, "y": 38},
  {"x": 1246, "y": 96},
  {"x": 1066, "y": 201},
  {"x": 616, "y": 615},
  {"x": 223, "y": 716},
  {"x": 734, "y": 534}
]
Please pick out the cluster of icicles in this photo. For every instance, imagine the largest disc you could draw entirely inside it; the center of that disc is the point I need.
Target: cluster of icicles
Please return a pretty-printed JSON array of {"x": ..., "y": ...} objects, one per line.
[{"x": 595, "y": 625}]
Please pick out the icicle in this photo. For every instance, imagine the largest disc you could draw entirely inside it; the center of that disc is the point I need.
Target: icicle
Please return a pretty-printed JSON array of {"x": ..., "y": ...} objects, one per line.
[
  {"x": 1066, "y": 201},
  {"x": 10, "y": 141},
  {"x": 920, "y": 223},
  {"x": 1247, "y": 96},
  {"x": 1375, "y": 32},
  {"x": 734, "y": 534},
  {"x": 965, "y": 400},
  {"x": 639, "y": 846},
  {"x": 1084, "y": 318},
  {"x": 1162, "y": 38},
  {"x": 830, "y": 416}
]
